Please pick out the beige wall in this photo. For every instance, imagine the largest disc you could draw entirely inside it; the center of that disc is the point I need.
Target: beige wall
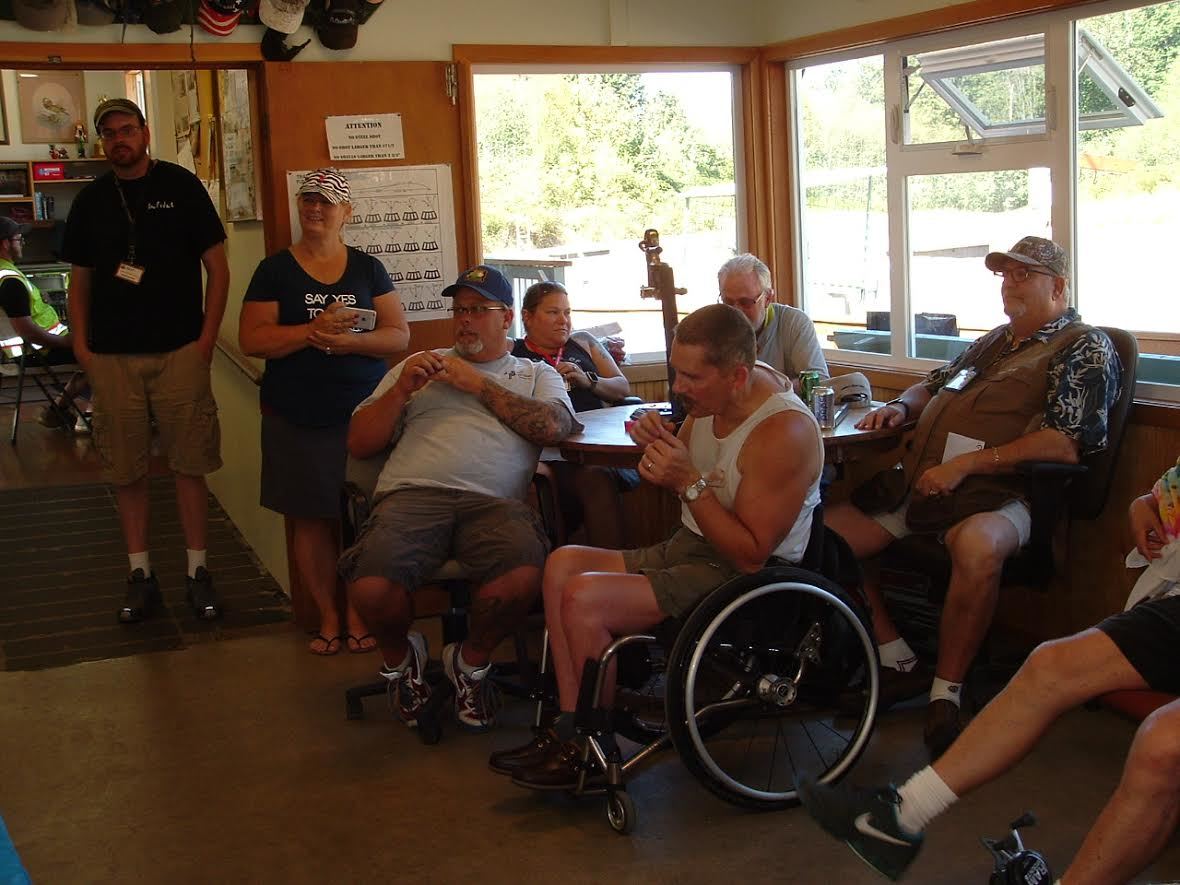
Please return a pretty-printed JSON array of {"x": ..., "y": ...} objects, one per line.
[
  {"x": 789, "y": 19},
  {"x": 410, "y": 31}
]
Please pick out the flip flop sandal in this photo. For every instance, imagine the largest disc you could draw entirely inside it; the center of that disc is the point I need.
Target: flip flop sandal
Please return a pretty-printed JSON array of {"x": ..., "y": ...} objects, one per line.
[
  {"x": 331, "y": 645},
  {"x": 356, "y": 644}
]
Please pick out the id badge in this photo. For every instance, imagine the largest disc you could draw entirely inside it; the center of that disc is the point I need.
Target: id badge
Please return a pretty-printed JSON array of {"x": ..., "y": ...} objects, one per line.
[
  {"x": 961, "y": 379},
  {"x": 131, "y": 273}
]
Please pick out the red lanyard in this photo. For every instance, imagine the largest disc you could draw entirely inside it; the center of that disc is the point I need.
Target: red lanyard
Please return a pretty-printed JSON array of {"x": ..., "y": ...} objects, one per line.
[{"x": 551, "y": 360}]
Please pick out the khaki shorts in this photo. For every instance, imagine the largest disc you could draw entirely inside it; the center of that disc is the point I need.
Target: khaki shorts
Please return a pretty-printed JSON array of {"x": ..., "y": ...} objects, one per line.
[
  {"x": 413, "y": 531},
  {"x": 1015, "y": 511},
  {"x": 174, "y": 388},
  {"x": 682, "y": 570}
]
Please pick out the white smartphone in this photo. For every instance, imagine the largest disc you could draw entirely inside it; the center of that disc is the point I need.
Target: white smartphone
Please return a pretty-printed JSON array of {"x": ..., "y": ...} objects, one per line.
[{"x": 366, "y": 320}]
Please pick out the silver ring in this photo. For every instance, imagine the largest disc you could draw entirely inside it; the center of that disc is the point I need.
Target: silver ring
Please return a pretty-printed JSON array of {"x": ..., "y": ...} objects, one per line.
[
  {"x": 649, "y": 465},
  {"x": 328, "y": 350}
]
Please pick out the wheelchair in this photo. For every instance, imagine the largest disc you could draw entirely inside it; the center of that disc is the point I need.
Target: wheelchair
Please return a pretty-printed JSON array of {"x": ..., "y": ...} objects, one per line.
[{"x": 773, "y": 675}]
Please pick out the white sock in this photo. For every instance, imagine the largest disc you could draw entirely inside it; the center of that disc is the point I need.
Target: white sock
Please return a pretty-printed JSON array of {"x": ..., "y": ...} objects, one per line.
[
  {"x": 141, "y": 560},
  {"x": 897, "y": 655},
  {"x": 196, "y": 559},
  {"x": 923, "y": 797},
  {"x": 940, "y": 689}
]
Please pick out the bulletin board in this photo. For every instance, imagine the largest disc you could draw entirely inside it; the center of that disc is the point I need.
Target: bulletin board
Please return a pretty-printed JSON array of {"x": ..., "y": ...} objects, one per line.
[{"x": 405, "y": 217}]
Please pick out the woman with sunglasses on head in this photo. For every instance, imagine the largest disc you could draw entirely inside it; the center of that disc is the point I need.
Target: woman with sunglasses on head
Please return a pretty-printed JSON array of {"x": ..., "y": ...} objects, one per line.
[
  {"x": 594, "y": 381},
  {"x": 307, "y": 313}
]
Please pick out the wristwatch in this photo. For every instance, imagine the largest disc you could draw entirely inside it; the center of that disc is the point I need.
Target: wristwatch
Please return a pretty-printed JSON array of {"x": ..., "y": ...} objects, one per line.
[
  {"x": 904, "y": 406},
  {"x": 593, "y": 376},
  {"x": 693, "y": 492}
]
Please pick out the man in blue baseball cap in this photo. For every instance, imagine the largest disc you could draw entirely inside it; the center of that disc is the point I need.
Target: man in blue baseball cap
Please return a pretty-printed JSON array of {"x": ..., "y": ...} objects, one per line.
[{"x": 466, "y": 426}]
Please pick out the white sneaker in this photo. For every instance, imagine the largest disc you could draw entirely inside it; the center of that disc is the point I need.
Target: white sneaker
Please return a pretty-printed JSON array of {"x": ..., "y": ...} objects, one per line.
[
  {"x": 408, "y": 689},
  {"x": 477, "y": 699}
]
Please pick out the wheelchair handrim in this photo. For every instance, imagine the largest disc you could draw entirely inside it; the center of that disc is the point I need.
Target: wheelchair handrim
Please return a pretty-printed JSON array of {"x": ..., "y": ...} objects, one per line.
[{"x": 864, "y": 729}]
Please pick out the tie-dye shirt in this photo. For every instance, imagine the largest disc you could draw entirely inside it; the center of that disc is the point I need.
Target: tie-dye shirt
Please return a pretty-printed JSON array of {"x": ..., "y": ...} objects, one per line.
[{"x": 1167, "y": 494}]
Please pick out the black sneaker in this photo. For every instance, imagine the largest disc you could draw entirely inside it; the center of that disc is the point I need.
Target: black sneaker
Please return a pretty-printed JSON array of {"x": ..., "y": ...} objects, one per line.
[
  {"x": 142, "y": 598},
  {"x": 866, "y": 820},
  {"x": 201, "y": 596}
]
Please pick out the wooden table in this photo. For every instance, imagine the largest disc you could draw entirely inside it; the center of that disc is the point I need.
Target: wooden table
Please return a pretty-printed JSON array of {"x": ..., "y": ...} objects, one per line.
[{"x": 605, "y": 442}]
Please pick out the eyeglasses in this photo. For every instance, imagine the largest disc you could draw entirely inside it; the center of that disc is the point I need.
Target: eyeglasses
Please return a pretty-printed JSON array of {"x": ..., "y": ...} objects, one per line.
[
  {"x": 476, "y": 311},
  {"x": 122, "y": 132},
  {"x": 1020, "y": 274},
  {"x": 741, "y": 303}
]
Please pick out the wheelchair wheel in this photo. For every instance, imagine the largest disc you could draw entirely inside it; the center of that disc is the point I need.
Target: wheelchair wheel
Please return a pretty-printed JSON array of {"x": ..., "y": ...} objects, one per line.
[
  {"x": 755, "y": 686},
  {"x": 620, "y": 812}
]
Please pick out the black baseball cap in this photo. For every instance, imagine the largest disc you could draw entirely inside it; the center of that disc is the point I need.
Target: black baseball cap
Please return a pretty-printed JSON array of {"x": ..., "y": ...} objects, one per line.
[{"x": 10, "y": 228}]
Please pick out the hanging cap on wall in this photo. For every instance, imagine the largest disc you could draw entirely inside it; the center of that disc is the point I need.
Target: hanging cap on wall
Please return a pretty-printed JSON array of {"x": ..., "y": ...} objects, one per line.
[
  {"x": 338, "y": 27},
  {"x": 164, "y": 16},
  {"x": 40, "y": 15},
  {"x": 275, "y": 48},
  {"x": 220, "y": 17},
  {"x": 94, "y": 13},
  {"x": 284, "y": 16}
]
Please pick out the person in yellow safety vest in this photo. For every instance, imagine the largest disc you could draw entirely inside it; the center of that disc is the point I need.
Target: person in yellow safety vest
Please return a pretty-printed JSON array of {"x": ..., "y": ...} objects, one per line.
[{"x": 35, "y": 321}]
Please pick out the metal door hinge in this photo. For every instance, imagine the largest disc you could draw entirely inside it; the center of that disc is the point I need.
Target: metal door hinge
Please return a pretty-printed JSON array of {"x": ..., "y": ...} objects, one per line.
[{"x": 452, "y": 83}]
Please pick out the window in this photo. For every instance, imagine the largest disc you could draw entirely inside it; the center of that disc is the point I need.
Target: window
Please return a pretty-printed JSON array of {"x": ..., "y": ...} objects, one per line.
[
  {"x": 573, "y": 167},
  {"x": 916, "y": 161}
]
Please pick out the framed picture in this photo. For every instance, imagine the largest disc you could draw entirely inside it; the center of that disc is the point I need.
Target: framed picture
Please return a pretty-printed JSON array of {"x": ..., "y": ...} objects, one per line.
[
  {"x": 51, "y": 105},
  {"x": 4, "y": 137}
]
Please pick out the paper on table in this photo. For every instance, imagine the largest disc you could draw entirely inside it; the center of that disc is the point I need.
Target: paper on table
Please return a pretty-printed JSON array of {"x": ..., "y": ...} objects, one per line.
[{"x": 957, "y": 444}]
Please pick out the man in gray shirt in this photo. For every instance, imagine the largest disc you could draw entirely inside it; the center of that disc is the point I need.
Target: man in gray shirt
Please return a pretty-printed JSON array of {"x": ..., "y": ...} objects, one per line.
[
  {"x": 467, "y": 425},
  {"x": 786, "y": 336}
]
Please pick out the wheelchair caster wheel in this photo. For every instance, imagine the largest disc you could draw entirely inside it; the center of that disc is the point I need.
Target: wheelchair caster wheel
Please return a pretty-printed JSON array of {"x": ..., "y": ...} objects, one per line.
[{"x": 620, "y": 812}]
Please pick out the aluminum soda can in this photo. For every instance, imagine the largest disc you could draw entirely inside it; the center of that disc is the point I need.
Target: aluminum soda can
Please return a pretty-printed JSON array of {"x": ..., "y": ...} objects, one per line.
[
  {"x": 823, "y": 406},
  {"x": 808, "y": 381}
]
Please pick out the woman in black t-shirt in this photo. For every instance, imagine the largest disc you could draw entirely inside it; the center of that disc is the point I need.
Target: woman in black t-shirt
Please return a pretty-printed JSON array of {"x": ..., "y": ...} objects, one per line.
[
  {"x": 298, "y": 314},
  {"x": 593, "y": 380}
]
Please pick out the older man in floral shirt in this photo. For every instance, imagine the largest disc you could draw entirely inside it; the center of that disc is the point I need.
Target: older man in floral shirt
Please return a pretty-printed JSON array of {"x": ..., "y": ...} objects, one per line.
[{"x": 1038, "y": 388}]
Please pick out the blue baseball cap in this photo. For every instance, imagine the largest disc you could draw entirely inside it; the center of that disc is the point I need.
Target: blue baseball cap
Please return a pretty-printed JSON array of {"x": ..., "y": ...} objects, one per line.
[{"x": 487, "y": 281}]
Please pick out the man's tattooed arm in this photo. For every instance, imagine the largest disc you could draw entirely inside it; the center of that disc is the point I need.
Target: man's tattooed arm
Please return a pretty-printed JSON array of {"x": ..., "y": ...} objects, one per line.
[{"x": 541, "y": 422}]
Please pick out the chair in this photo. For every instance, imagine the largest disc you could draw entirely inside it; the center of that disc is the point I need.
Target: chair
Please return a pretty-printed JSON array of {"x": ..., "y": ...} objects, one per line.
[
  {"x": 771, "y": 677},
  {"x": 1056, "y": 492},
  {"x": 453, "y": 579},
  {"x": 30, "y": 361}
]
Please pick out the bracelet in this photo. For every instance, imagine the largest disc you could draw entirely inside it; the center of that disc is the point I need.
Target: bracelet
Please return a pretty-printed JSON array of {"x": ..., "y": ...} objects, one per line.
[
  {"x": 996, "y": 456},
  {"x": 900, "y": 402}
]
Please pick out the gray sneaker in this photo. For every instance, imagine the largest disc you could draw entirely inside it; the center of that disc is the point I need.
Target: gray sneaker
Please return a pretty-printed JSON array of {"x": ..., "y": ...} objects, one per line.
[
  {"x": 477, "y": 699},
  {"x": 408, "y": 689},
  {"x": 866, "y": 820}
]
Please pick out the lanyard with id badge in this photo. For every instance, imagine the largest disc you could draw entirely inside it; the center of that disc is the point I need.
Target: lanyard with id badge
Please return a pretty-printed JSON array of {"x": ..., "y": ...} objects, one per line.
[{"x": 128, "y": 270}]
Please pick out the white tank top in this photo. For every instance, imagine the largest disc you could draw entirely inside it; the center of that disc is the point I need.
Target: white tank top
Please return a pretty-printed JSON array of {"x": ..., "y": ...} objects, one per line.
[{"x": 715, "y": 457}]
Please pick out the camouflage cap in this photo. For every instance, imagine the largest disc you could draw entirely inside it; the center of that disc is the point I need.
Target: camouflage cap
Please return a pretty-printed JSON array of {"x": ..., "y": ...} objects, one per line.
[{"x": 1034, "y": 251}]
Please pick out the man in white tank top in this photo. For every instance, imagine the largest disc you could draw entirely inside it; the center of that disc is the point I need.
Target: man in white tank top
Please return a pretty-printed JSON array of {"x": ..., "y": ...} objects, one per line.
[{"x": 746, "y": 465}]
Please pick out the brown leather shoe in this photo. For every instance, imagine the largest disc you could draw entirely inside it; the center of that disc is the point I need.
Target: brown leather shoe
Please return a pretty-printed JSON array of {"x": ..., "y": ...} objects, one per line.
[
  {"x": 942, "y": 727},
  {"x": 518, "y": 758},
  {"x": 556, "y": 769}
]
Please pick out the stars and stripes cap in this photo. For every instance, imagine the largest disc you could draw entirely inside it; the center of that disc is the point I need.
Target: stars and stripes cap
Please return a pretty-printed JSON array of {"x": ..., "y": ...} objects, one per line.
[
  {"x": 328, "y": 183},
  {"x": 220, "y": 17}
]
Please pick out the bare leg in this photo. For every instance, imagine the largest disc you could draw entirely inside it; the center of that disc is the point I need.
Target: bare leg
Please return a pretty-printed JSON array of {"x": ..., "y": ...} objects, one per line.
[
  {"x": 133, "y": 514},
  {"x": 1057, "y": 676},
  {"x": 192, "y": 502},
  {"x": 499, "y": 607},
  {"x": 1141, "y": 816},
  {"x": 978, "y": 547},
  {"x": 596, "y": 607},
  {"x": 867, "y": 539},
  {"x": 562, "y": 565},
  {"x": 388, "y": 610},
  {"x": 601, "y": 510},
  {"x": 315, "y": 557}
]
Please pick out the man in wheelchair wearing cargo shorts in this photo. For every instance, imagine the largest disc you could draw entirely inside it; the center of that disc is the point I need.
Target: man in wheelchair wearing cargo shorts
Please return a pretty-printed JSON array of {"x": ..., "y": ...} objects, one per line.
[{"x": 746, "y": 465}]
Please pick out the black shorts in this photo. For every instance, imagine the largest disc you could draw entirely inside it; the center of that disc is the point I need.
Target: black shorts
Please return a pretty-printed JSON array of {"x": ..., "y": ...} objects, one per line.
[{"x": 1148, "y": 636}]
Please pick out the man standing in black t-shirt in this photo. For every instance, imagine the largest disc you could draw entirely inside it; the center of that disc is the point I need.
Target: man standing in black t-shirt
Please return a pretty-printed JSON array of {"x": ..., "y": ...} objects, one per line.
[{"x": 137, "y": 239}]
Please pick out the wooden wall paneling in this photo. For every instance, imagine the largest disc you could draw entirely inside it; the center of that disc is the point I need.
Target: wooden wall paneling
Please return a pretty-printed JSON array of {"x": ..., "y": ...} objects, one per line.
[
  {"x": 129, "y": 56},
  {"x": 297, "y": 98}
]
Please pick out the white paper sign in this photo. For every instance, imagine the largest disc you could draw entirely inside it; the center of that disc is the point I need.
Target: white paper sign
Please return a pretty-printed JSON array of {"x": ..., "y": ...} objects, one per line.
[
  {"x": 376, "y": 137},
  {"x": 957, "y": 444}
]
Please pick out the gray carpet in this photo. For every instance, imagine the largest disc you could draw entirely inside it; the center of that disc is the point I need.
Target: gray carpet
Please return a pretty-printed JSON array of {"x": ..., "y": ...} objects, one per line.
[{"x": 63, "y": 571}]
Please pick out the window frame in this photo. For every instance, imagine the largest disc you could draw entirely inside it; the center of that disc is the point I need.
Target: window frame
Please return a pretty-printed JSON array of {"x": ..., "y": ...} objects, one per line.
[
  {"x": 1053, "y": 149},
  {"x": 748, "y": 128}
]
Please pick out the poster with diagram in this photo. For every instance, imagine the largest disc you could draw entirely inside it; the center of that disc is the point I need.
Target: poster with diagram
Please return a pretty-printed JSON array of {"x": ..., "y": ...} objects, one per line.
[{"x": 405, "y": 217}]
